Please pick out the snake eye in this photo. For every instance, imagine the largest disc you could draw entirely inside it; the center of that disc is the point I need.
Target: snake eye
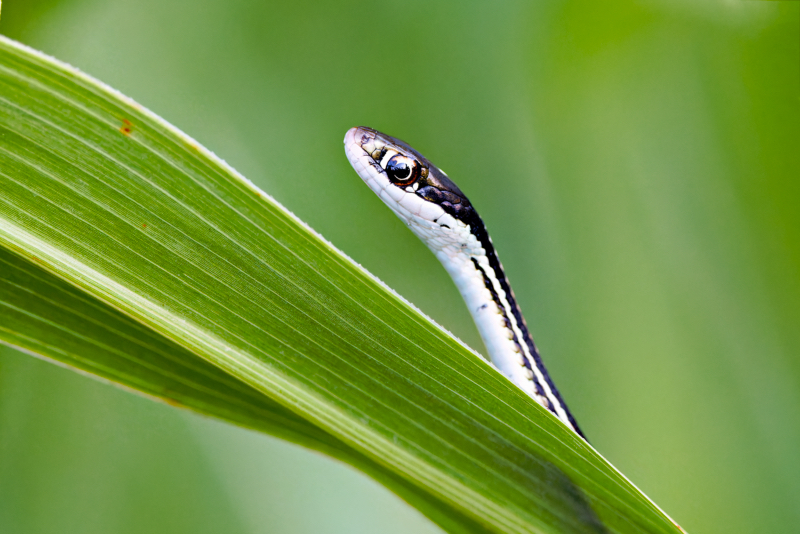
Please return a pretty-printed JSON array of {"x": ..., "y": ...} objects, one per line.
[{"x": 402, "y": 170}]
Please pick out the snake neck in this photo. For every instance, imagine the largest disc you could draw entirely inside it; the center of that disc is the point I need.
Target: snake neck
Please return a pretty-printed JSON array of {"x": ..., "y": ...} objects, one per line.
[{"x": 464, "y": 248}]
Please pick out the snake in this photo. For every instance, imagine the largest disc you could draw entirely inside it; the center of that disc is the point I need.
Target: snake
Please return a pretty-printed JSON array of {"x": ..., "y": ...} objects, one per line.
[{"x": 436, "y": 210}]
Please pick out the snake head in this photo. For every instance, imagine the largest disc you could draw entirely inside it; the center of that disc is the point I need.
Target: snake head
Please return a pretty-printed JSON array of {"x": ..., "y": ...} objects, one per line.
[{"x": 389, "y": 162}]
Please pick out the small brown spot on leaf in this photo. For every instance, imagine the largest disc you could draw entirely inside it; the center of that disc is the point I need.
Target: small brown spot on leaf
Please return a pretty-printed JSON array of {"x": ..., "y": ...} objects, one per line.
[
  {"x": 126, "y": 127},
  {"x": 144, "y": 225},
  {"x": 173, "y": 402}
]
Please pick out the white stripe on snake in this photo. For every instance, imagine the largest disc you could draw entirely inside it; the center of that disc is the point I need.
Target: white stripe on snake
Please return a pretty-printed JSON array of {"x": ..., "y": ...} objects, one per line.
[{"x": 439, "y": 213}]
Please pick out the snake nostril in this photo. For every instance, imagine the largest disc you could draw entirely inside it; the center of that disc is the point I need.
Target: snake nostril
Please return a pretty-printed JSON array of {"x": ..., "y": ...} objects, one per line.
[{"x": 351, "y": 136}]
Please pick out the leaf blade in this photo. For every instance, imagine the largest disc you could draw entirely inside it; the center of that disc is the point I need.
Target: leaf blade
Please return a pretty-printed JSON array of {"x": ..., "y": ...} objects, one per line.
[
  {"x": 44, "y": 316},
  {"x": 110, "y": 198}
]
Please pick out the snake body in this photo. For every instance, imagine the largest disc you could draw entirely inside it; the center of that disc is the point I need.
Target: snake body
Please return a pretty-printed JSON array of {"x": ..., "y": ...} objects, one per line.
[{"x": 436, "y": 210}]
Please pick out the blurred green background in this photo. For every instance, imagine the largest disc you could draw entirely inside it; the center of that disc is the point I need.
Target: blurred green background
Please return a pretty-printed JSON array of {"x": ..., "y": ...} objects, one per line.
[{"x": 638, "y": 165}]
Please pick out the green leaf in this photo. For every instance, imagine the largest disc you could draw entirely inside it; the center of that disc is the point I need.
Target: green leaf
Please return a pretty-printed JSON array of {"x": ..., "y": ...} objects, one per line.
[
  {"x": 140, "y": 257},
  {"x": 47, "y": 317}
]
